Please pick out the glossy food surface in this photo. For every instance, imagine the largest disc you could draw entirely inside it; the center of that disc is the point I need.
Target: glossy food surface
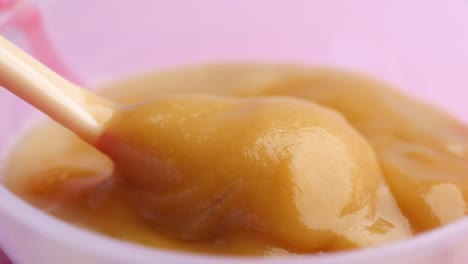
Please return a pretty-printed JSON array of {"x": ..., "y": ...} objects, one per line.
[{"x": 247, "y": 162}]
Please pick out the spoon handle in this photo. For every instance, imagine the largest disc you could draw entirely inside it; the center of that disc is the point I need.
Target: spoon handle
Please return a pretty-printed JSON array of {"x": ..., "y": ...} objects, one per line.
[{"x": 79, "y": 110}]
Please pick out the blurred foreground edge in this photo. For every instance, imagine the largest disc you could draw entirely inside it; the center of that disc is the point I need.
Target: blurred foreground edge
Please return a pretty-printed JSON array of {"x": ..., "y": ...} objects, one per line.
[{"x": 3, "y": 258}]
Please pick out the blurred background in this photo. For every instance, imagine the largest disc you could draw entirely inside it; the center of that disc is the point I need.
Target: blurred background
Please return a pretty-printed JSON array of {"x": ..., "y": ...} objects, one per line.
[{"x": 418, "y": 45}]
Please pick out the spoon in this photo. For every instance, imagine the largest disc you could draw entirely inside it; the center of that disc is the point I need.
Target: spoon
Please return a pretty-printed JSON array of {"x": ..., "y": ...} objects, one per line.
[
  {"x": 97, "y": 120},
  {"x": 79, "y": 110}
]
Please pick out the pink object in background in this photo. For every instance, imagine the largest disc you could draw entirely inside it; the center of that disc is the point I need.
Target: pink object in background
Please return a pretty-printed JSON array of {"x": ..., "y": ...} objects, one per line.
[
  {"x": 419, "y": 46},
  {"x": 3, "y": 258},
  {"x": 6, "y": 3}
]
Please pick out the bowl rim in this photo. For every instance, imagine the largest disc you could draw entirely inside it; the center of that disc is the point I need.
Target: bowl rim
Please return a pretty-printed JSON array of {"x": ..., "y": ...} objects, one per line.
[{"x": 103, "y": 247}]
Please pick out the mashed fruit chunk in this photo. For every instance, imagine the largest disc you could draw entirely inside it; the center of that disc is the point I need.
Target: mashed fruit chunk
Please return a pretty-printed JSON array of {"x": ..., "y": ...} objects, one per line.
[{"x": 287, "y": 169}]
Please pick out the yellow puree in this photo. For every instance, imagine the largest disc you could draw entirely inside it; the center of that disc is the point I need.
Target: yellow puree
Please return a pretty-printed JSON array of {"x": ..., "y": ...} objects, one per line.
[{"x": 253, "y": 160}]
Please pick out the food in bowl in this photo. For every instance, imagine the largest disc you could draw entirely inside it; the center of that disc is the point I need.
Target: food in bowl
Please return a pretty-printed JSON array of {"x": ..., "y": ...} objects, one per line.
[{"x": 258, "y": 160}]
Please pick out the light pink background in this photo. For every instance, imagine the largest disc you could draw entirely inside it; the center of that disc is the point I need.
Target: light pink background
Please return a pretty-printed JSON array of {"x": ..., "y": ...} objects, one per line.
[{"x": 419, "y": 45}]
